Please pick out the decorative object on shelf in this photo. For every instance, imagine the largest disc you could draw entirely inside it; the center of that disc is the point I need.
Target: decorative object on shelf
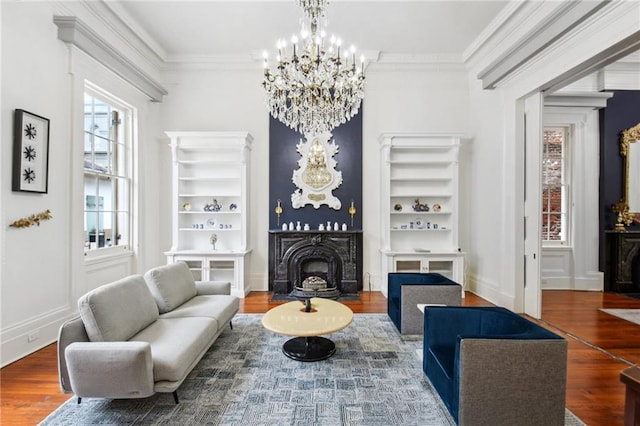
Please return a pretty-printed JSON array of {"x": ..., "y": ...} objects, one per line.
[
  {"x": 211, "y": 222},
  {"x": 186, "y": 207},
  {"x": 336, "y": 226},
  {"x": 398, "y": 207},
  {"x": 291, "y": 226},
  {"x": 32, "y": 220},
  {"x": 278, "y": 210},
  {"x": 625, "y": 217},
  {"x": 352, "y": 211},
  {"x": 436, "y": 207},
  {"x": 313, "y": 88},
  {"x": 285, "y": 227},
  {"x": 419, "y": 207},
  {"x": 298, "y": 226},
  {"x": 316, "y": 176},
  {"x": 307, "y": 227},
  {"x": 30, "y": 152},
  {"x": 344, "y": 226},
  {"x": 321, "y": 227},
  {"x": 213, "y": 240},
  {"x": 419, "y": 224},
  {"x": 213, "y": 207},
  {"x": 233, "y": 206}
]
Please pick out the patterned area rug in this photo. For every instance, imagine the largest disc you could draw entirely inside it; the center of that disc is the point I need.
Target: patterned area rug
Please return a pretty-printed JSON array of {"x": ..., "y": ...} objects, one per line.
[
  {"x": 375, "y": 378},
  {"x": 632, "y": 315}
]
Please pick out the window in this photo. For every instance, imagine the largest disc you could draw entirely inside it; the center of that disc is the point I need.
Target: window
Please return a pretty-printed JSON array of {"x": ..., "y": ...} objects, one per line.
[
  {"x": 555, "y": 186},
  {"x": 107, "y": 172}
]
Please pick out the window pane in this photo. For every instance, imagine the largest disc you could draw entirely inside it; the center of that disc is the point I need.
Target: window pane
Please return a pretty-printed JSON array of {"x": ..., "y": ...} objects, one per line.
[
  {"x": 545, "y": 227},
  {"x": 545, "y": 199},
  {"x": 553, "y": 141},
  {"x": 555, "y": 199},
  {"x": 121, "y": 229},
  {"x": 554, "y": 227},
  {"x": 552, "y": 171}
]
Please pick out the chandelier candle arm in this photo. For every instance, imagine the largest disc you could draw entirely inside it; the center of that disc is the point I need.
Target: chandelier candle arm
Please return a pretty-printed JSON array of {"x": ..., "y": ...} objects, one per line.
[{"x": 313, "y": 89}]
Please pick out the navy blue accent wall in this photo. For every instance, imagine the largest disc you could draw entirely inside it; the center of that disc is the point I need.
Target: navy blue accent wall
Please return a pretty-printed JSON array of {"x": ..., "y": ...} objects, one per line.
[
  {"x": 283, "y": 160},
  {"x": 622, "y": 112}
]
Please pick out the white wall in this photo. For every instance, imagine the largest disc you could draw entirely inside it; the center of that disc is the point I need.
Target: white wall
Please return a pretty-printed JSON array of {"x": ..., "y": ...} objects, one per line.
[
  {"x": 35, "y": 261},
  {"x": 496, "y": 266},
  {"x": 423, "y": 98},
  {"x": 43, "y": 268},
  {"x": 220, "y": 99}
]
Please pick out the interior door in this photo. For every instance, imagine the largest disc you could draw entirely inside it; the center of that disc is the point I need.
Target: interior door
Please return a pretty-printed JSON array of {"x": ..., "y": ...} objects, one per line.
[{"x": 533, "y": 109}]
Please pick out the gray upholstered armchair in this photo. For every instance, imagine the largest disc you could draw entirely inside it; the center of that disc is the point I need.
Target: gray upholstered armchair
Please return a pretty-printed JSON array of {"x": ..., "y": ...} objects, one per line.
[{"x": 491, "y": 366}]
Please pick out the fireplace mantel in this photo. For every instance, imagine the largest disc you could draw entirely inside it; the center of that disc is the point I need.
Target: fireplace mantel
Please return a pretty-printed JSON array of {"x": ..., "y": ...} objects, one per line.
[{"x": 341, "y": 250}]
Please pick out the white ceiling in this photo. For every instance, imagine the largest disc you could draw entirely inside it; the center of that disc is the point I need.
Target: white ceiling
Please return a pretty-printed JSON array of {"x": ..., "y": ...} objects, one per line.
[{"x": 212, "y": 28}]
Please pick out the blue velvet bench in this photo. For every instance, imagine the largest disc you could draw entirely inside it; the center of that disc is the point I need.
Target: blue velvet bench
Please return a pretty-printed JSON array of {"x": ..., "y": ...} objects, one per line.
[
  {"x": 408, "y": 289},
  {"x": 491, "y": 366}
]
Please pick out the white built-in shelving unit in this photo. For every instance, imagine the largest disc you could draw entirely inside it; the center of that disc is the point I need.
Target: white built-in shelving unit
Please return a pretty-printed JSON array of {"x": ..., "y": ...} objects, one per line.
[
  {"x": 419, "y": 208},
  {"x": 210, "y": 196}
]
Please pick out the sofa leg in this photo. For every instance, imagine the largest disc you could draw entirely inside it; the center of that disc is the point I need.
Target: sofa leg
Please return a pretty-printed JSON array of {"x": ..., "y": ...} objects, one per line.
[
  {"x": 175, "y": 396},
  {"x": 79, "y": 399},
  {"x": 231, "y": 325}
]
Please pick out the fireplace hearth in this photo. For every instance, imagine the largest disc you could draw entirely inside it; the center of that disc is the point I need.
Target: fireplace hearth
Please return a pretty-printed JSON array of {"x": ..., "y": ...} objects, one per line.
[{"x": 304, "y": 264}]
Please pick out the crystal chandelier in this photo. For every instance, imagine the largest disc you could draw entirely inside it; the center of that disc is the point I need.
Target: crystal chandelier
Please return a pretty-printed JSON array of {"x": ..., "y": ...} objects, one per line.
[{"x": 315, "y": 86}]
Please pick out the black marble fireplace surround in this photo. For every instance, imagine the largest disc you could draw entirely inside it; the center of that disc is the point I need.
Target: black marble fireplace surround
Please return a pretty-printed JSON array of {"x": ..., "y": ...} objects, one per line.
[
  {"x": 334, "y": 256},
  {"x": 622, "y": 272}
]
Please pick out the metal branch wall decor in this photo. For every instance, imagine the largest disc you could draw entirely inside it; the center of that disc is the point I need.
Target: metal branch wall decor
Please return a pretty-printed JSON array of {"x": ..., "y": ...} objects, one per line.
[{"x": 32, "y": 220}]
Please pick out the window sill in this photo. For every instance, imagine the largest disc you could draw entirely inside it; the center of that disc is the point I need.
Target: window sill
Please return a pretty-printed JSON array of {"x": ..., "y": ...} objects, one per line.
[
  {"x": 108, "y": 254},
  {"x": 557, "y": 248}
]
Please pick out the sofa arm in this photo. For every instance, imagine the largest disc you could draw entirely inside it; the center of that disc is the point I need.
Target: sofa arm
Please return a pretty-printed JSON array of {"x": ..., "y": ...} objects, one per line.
[
  {"x": 110, "y": 369},
  {"x": 213, "y": 287},
  {"x": 508, "y": 381}
]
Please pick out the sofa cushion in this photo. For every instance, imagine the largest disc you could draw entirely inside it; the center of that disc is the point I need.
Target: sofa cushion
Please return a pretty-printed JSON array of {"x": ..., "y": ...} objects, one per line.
[
  {"x": 171, "y": 285},
  {"x": 118, "y": 310},
  {"x": 177, "y": 344},
  {"x": 221, "y": 308}
]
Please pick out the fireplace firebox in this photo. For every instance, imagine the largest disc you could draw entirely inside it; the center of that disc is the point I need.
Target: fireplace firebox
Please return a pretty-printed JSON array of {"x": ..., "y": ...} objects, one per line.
[{"x": 305, "y": 264}]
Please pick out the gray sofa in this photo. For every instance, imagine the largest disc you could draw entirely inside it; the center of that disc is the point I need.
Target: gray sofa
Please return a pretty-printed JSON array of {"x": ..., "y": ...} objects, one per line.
[{"x": 142, "y": 335}]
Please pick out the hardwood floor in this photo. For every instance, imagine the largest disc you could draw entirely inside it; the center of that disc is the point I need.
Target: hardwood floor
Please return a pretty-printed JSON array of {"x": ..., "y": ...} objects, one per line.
[{"x": 600, "y": 346}]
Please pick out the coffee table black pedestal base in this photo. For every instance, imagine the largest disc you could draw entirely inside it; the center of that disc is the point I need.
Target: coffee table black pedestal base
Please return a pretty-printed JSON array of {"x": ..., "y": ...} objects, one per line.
[{"x": 309, "y": 348}]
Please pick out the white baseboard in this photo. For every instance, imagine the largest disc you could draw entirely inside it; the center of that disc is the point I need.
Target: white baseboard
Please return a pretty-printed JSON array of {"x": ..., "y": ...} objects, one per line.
[{"x": 24, "y": 339}]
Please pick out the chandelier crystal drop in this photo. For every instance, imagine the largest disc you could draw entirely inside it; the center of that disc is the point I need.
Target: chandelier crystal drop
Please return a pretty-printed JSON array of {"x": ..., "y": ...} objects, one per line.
[{"x": 315, "y": 85}]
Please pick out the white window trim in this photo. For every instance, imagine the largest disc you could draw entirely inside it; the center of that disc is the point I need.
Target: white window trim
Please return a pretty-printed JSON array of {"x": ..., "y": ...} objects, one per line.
[
  {"x": 104, "y": 253},
  {"x": 567, "y": 181}
]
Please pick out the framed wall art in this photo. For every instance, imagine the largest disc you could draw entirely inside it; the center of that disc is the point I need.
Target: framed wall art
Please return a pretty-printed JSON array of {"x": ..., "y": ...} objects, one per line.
[{"x": 30, "y": 152}]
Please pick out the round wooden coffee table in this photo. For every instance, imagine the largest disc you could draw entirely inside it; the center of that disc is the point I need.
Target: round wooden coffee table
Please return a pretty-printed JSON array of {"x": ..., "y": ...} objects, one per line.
[{"x": 326, "y": 316}]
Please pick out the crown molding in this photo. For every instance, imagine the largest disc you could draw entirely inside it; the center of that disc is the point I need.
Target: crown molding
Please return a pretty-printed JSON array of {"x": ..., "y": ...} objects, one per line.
[
  {"x": 578, "y": 99},
  {"x": 621, "y": 75},
  {"x": 74, "y": 31},
  {"x": 489, "y": 33},
  {"x": 564, "y": 17}
]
